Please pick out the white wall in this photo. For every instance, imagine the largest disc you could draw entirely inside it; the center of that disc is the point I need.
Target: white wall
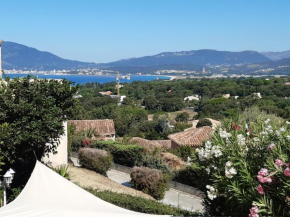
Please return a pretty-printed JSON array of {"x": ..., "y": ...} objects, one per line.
[{"x": 61, "y": 157}]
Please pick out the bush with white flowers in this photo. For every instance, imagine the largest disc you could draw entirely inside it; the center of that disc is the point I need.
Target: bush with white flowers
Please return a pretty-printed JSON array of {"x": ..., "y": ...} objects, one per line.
[{"x": 248, "y": 167}]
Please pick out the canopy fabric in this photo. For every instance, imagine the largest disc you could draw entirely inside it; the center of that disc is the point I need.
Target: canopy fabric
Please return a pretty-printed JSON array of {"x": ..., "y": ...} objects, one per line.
[{"x": 47, "y": 194}]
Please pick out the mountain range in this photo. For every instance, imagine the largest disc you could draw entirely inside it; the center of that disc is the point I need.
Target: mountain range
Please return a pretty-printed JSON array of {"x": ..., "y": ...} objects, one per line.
[{"x": 21, "y": 57}]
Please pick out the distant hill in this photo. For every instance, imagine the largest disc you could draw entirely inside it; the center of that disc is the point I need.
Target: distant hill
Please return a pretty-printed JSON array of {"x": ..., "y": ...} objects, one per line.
[
  {"x": 277, "y": 55},
  {"x": 195, "y": 57},
  {"x": 17, "y": 56}
]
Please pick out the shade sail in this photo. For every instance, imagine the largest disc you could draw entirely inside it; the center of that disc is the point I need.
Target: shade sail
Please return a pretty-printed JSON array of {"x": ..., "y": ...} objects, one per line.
[{"x": 48, "y": 194}]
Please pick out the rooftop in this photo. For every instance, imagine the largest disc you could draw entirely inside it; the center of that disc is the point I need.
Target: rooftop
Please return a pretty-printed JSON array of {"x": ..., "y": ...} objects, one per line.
[
  {"x": 192, "y": 136},
  {"x": 102, "y": 126}
]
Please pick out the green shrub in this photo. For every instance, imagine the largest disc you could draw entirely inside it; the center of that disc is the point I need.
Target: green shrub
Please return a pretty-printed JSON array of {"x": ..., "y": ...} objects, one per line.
[
  {"x": 141, "y": 205},
  {"x": 63, "y": 171},
  {"x": 183, "y": 152},
  {"x": 150, "y": 181},
  {"x": 153, "y": 162},
  {"x": 127, "y": 155},
  {"x": 190, "y": 176},
  {"x": 95, "y": 159},
  {"x": 203, "y": 122}
]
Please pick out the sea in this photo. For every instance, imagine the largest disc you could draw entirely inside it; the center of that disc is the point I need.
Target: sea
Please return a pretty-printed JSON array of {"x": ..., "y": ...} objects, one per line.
[{"x": 83, "y": 79}]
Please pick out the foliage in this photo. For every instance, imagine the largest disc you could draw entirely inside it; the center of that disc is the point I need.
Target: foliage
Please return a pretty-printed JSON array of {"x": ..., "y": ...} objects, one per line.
[
  {"x": 182, "y": 117},
  {"x": 184, "y": 152},
  {"x": 127, "y": 155},
  {"x": 139, "y": 204},
  {"x": 203, "y": 122},
  {"x": 95, "y": 159},
  {"x": 248, "y": 169},
  {"x": 150, "y": 181},
  {"x": 63, "y": 171},
  {"x": 35, "y": 110},
  {"x": 154, "y": 162}
]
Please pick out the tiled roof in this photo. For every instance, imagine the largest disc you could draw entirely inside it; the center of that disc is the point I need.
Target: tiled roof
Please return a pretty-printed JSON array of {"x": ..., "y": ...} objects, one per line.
[
  {"x": 106, "y": 93},
  {"x": 192, "y": 136},
  {"x": 102, "y": 127},
  {"x": 164, "y": 143}
]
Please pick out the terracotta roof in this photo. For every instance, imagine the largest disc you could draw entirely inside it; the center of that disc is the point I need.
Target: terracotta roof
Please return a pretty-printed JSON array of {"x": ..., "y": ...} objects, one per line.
[
  {"x": 192, "y": 136},
  {"x": 151, "y": 144},
  {"x": 102, "y": 127},
  {"x": 164, "y": 143},
  {"x": 106, "y": 93}
]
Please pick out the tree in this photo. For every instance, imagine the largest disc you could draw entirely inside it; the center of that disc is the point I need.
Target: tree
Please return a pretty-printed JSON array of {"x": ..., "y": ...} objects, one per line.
[
  {"x": 35, "y": 110},
  {"x": 182, "y": 117},
  {"x": 203, "y": 122}
]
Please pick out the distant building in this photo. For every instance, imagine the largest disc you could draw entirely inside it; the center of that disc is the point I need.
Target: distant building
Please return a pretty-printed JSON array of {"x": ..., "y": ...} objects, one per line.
[
  {"x": 257, "y": 95},
  {"x": 77, "y": 96},
  {"x": 226, "y": 96},
  {"x": 104, "y": 129},
  {"x": 151, "y": 144},
  {"x": 215, "y": 123},
  {"x": 287, "y": 83},
  {"x": 193, "y": 97},
  {"x": 236, "y": 97},
  {"x": 192, "y": 137},
  {"x": 106, "y": 93}
]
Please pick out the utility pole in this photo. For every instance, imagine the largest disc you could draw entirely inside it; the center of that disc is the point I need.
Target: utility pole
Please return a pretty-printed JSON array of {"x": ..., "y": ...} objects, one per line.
[{"x": 118, "y": 85}]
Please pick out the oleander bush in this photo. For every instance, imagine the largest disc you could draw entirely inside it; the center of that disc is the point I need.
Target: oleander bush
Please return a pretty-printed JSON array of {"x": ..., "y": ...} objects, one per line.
[
  {"x": 141, "y": 205},
  {"x": 95, "y": 159},
  {"x": 150, "y": 181},
  {"x": 127, "y": 155},
  {"x": 248, "y": 169}
]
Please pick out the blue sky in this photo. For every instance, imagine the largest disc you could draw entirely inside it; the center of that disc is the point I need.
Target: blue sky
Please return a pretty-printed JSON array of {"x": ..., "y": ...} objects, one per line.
[{"x": 109, "y": 30}]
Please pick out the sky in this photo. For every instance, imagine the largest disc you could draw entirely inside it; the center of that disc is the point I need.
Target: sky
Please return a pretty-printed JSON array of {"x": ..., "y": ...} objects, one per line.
[{"x": 110, "y": 30}]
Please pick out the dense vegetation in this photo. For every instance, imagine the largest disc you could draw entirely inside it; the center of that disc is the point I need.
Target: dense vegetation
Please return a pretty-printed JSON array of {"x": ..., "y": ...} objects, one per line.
[
  {"x": 32, "y": 112},
  {"x": 161, "y": 97},
  {"x": 139, "y": 204}
]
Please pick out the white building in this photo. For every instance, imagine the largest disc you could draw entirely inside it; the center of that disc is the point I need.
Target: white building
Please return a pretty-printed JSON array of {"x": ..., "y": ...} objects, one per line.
[{"x": 193, "y": 97}]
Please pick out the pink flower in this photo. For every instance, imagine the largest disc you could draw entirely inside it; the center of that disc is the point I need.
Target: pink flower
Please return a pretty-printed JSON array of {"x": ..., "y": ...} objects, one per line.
[
  {"x": 287, "y": 164},
  {"x": 271, "y": 146},
  {"x": 260, "y": 189},
  {"x": 239, "y": 127},
  {"x": 287, "y": 172},
  {"x": 263, "y": 172},
  {"x": 264, "y": 179},
  {"x": 279, "y": 162},
  {"x": 254, "y": 211}
]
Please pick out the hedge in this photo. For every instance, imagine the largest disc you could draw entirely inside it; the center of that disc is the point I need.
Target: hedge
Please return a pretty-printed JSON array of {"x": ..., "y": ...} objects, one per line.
[
  {"x": 139, "y": 204},
  {"x": 150, "y": 181},
  {"x": 127, "y": 155},
  {"x": 95, "y": 159}
]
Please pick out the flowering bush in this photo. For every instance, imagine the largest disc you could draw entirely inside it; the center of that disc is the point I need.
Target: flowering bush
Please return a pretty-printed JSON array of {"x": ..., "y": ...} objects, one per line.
[{"x": 248, "y": 167}]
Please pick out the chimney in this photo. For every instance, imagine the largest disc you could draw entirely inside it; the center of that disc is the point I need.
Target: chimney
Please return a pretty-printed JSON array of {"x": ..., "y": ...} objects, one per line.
[{"x": 1, "y": 59}]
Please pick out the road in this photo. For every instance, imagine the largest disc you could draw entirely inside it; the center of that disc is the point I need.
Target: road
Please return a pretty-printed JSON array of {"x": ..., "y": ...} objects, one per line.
[{"x": 173, "y": 197}]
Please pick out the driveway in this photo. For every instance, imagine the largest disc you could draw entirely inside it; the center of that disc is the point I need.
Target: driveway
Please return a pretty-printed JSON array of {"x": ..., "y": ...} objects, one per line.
[{"x": 172, "y": 197}]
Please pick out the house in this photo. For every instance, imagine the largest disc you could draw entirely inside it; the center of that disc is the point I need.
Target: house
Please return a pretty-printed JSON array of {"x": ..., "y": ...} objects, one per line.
[
  {"x": 287, "y": 83},
  {"x": 104, "y": 129},
  {"x": 61, "y": 155},
  {"x": 106, "y": 93},
  {"x": 226, "y": 96},
  {"x": 257, "y": 95},
  {"x": 192, "y": 137},
  {"x": 151, "y": 144},
  {"x": 215, "y": 123},
  {"x": 193, "y": 97},
  {"x": 236, "y": 97}
]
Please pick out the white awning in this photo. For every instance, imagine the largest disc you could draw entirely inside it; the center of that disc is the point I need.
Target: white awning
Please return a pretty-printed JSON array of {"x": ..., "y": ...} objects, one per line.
[{"x": 48, "y": 194}]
